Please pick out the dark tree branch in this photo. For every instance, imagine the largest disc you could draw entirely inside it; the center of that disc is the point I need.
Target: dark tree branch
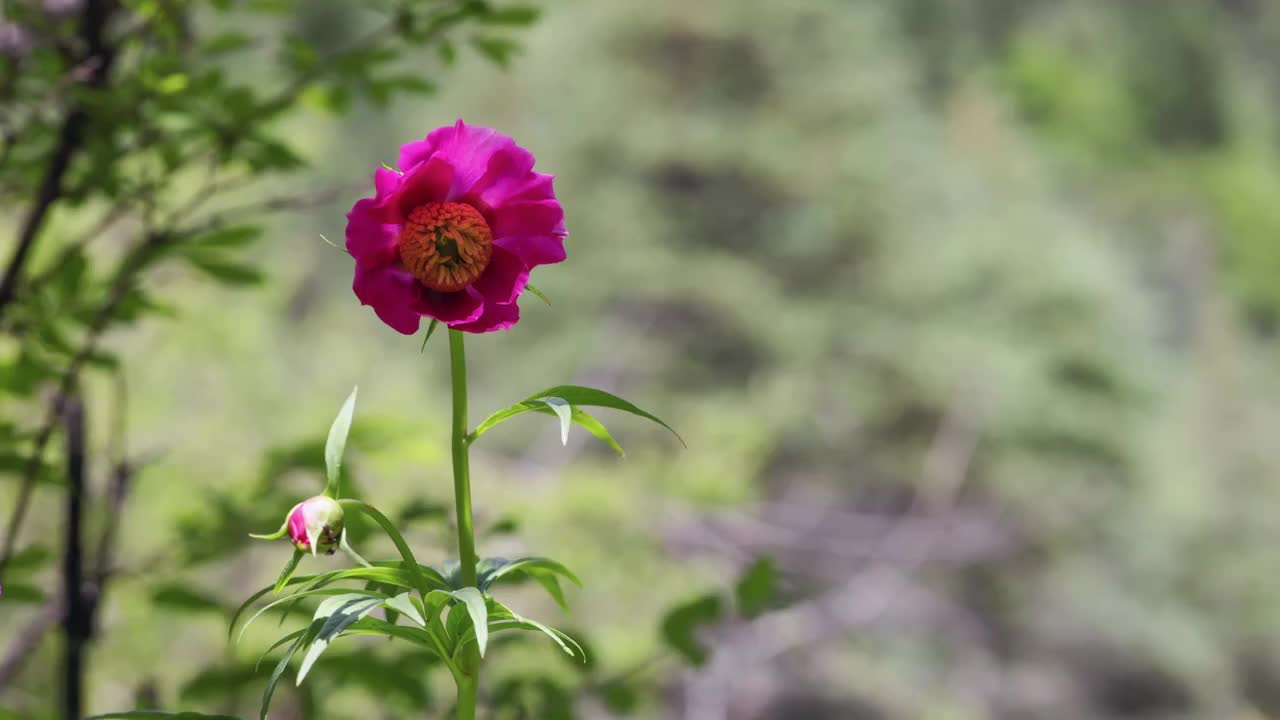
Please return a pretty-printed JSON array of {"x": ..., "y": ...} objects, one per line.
[
  {"x": 99, "y": 55},
  {"x": 76, "y": 621}
]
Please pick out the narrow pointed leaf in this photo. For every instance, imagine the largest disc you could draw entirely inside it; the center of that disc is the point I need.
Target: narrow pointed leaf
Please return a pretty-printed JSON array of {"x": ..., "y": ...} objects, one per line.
[
  {"x": 565, "y": 411},
  {"x": 411, "y": 563},
  {"x": 526, "y": 564},
  {"x": 270, "y": 689},
  {"x": 291, "y": 636},
  {"x": 338, "y": 614},
  {"x": 403, "y": 604},
  {"x": 287, "y": 571},
  {"x": 586, "y": 421},
  {"x": 300, "y": 595},
  {"x": 474, "y": 601},
  {"x": 541, "y": 296},
  {"x": 336, "y": 445},
  {"x": 575, "y": 396},
  {"x": 431, "y": 329}
]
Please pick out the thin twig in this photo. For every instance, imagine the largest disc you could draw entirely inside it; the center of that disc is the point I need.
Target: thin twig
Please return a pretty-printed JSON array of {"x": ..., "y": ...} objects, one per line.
[{"x": 27, "y": 640}]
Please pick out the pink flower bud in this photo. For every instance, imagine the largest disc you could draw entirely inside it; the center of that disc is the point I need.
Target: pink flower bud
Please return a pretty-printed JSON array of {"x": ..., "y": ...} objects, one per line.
[{"x": 317, "y": 521}]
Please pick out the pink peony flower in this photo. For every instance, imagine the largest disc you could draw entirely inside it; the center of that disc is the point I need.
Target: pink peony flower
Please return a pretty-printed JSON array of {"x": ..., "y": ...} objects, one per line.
[
  {"x": 453, "y": 234},
  {"x": 320, "y": 518}
]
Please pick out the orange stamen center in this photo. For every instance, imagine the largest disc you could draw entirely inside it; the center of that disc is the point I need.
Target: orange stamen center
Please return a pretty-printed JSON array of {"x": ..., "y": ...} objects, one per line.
[{"x": 446, "y": 245}]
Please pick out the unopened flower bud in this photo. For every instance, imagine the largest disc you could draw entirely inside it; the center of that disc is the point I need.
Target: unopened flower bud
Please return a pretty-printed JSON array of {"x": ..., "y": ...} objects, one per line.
[
  {"x": 316, "y": 521},
  {"x": 315, "y": 524}
]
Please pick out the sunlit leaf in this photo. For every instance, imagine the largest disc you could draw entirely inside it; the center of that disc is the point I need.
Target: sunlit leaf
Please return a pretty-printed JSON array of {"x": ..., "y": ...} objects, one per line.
[
  {"x": 340, "y": 592},
  {"x": 336, "y": 444},
  {"x": 475, "y": 603},
  {"x": 403, "y": 604},
  {"x": 504, "y": 618},
  {"x": 576, "y": 396},
  {"x": 338, "y": 613},
  {"x": 561, "y": 408}
]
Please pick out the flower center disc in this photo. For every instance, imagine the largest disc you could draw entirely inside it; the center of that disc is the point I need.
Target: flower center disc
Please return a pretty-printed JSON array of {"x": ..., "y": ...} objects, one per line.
[{"x": 446, "y": 245}]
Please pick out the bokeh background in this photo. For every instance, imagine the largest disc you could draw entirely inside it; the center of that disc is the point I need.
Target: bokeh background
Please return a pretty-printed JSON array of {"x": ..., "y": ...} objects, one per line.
[{"x": 967, "y": 310}]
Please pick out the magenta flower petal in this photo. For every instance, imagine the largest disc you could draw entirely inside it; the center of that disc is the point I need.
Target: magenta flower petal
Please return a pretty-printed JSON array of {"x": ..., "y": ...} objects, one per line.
[
  {"x": 372, "y": 242},
  {"x": 470, "y": 148},
  {"x": 385, "y": 181},
  {"x": 535, "y": 250},
  {"x": 504, "y": 279},
  {"x": 394, "y": 295},
  {"x": 527, "y": 217},
  {"x": 452, "y": 308},
  {"x": 415, "y": 152},
  {"x": 454, "y": 235},
  {"x": 429, "y": 182},
  {"x": 497, "y": 316},
  {"x": 493, "y": 192}
]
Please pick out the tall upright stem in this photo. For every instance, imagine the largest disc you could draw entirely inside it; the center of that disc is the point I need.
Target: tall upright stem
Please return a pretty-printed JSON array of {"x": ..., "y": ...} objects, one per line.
[
  {"x": 469, "y": 666},
  {"x": 461, "y": 463}
]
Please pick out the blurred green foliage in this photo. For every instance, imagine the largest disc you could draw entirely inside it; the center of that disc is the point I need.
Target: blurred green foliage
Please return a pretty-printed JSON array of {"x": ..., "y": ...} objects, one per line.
[{"x": 966, "y": 308}]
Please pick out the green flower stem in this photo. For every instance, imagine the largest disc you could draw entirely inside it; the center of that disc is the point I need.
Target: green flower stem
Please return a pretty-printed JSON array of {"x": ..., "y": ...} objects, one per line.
[{"x": 469, "y": 665}]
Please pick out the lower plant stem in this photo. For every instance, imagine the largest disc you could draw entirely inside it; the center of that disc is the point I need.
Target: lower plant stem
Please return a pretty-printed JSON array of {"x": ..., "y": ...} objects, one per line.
[
  {"x": 466, "y": 697},
  {"x": 468, "y": 676}
]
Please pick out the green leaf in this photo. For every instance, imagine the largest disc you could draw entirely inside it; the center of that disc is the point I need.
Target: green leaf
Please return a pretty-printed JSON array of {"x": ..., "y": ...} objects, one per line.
[
  {"x": 431, "y": 329},
  {"x": 403, "y": 604},
  {"x": 280, "y": 641},
  {"x": 498, "y": 49},
  {"x": 287, "y": 571},
  {"x": 544, "y": 571},
  {"x": 539, "y": 293},
  {"x": 337, "y": 443},
  {"x": 527, "y": 564},
  {"x": 28, "y": 559},
  {"x": 225, "y": 271},
  {"x": 479, "y": 613},
  {"x": 562, "y": 408},
  {"x": 757, "y": 588},
  {"x": 575, "y": 395},
  {"x": 270, "y": 689},
  {"x": 374, "y": 626},
  {"x": 515, "y": 15},
  {"x": 180, "y": 597},
  {"x": 340, "y": 592},
  {"x": 228, "y": 238},
  {"x": 152, "y": 714},
  {"x": 21, "y": 593},
  {"x": 338, "y": 614},
  {"x": 586, "y": 421},
  {"x": 504, "y": 618},
  {"x": 680, "y": 625},
  {"x": 381, "y": 572},
  {"x": 421, "y": 584}
]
